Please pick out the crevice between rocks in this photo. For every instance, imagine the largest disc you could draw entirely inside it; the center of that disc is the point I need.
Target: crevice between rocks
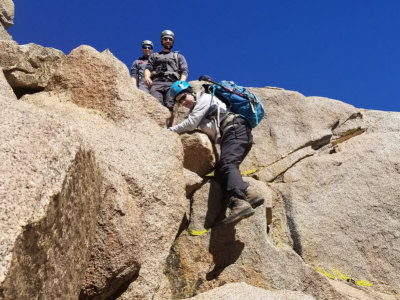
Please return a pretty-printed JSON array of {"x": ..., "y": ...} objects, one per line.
[
  {"x": 279, "y": 177},
  {"x": 317, "y": 144},
  {"x": 171, "y": 268},
  {"x": 348, "y": 135},
  {"x": 325, "y": 140},
  {"x": 180, "y": 287},
  {"x": 20, "y": 91},
  {"x": 174, "y": 274},
  {"x": 184, "y": 225},
  {"x": 121, "y": 290},
  {"x": 294, "y": 234},
  {"x": 357, "y": 115}
]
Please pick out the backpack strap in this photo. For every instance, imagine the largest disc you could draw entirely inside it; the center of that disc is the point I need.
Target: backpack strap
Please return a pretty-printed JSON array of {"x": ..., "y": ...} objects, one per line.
[
  {"x": 216, "y": 119},
  {"x": 176, "y": 59},
  {"x": 173, "y": 62},
  {"x": 218, "y": 107}
]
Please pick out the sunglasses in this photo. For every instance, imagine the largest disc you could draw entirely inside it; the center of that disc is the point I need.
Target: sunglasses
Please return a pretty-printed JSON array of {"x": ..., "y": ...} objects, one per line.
[
  {"x": 183, "y": 98},
  {"x": 147, "y": 47},
  {"x": 167, "y": 39}
]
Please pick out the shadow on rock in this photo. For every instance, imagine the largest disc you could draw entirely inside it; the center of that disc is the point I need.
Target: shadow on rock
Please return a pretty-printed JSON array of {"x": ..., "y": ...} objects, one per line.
[{"x": 224, "y": 247}]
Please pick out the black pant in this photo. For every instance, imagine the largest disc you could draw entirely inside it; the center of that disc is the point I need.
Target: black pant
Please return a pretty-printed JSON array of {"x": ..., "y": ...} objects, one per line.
[
  {"x": 160, "y": 90},
  {"x": 236, "y": 143},
  {"x": 143, "y": 87}
]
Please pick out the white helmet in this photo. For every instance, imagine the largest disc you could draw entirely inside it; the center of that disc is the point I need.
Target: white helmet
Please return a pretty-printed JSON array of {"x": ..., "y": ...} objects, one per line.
[{"x": 147, "y": 42}]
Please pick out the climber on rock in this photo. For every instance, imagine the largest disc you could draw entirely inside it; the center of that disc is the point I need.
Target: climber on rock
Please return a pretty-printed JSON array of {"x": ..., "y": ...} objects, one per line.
[
  {"x": 138, "y": 66},
  {"x": 236, "y": 140},
  {"x": 163, "y": 69}
]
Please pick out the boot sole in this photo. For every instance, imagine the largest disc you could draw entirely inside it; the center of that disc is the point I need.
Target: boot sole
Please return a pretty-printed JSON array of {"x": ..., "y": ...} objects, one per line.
[
  {"x": 256, "y": 202},
  {"x": 242, "y": 215}
]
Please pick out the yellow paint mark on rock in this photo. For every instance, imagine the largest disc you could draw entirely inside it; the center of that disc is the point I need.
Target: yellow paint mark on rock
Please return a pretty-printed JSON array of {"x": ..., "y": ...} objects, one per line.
[
  {"x": 198, "y": 232},
  {"x": 340, "y": 275}
]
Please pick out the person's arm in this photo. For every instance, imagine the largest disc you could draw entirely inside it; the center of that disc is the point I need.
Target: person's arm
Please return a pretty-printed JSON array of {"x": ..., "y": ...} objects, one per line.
[
  {"x": 148, "y": 69},
  {"x": 194, "y": 118},
  {"x": 183, "y": 67},
  {"x": 134, "y": 72},
  {"x": 147, "y": 79}
]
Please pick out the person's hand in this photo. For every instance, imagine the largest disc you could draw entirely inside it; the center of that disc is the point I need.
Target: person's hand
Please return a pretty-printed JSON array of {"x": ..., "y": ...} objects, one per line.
[{"x": 148, "y": 81}]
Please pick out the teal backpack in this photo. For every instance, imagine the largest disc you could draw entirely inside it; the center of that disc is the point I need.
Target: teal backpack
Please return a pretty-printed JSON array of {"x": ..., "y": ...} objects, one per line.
[{"x": 239, "y": 100}]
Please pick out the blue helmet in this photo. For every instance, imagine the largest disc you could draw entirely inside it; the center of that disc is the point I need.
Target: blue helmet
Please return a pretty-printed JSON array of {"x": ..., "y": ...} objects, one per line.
[{"x": 178, "y": 87}]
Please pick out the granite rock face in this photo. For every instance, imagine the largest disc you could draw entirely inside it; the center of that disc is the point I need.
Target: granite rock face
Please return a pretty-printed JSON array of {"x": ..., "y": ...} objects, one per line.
[
  {"x": 202, "y": 260},
  {"x": 49, "y": 201},
  {"x": 344, "y": 199},
  {"x": 318, "y": 159},
  {"x": 338, "y": 190},
  {"x": 100, "y": 201}
]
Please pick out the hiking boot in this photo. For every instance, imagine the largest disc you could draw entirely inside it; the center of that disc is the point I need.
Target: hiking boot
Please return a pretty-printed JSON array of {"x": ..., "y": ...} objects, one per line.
[
  {"x": 239, "y": 209},
  {"x": 253, "y": 197}
]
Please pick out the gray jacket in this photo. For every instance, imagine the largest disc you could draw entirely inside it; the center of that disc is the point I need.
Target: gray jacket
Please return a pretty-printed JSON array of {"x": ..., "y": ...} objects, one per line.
[
  {"x": 204, "y": 116},
  {"x": 137, "y": 70}
]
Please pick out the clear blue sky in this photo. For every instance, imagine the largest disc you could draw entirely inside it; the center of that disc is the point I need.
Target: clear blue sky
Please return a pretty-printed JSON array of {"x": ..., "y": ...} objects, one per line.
[{"x": 342, "y": 49}]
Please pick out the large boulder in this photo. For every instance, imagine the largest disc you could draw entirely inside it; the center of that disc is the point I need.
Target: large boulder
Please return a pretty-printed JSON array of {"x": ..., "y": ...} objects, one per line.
[
  {"x": 199, "y": 156},
  {"x": 100, "y": 81},
  {"x": 6, "y": 18},
  {"x": 28, "y": 68},
  {"x": 7, "y": 13}
]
